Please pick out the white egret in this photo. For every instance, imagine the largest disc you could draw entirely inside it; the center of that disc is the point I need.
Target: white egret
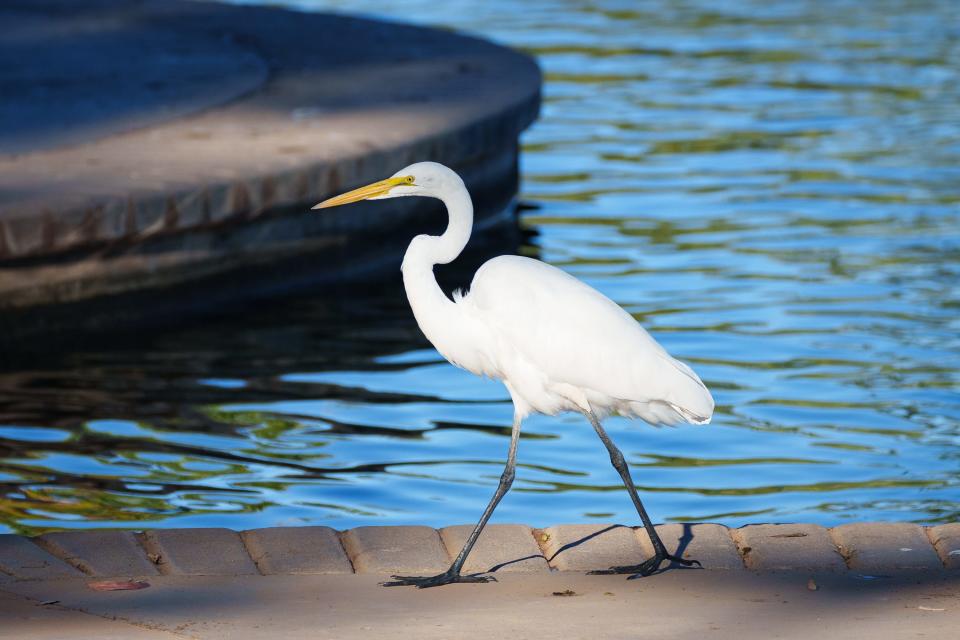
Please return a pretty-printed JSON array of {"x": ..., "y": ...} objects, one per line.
[{"x": 555, "y": 343}]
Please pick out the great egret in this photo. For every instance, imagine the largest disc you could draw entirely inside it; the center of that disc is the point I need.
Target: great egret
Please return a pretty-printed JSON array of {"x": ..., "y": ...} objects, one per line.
[{"x": 555, "y": 343}]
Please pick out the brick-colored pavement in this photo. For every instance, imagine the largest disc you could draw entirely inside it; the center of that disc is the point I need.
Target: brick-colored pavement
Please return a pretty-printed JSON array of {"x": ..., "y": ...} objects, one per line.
[
  {"x": 876, "y": 580},
  {"x": 861, "y": 547}
]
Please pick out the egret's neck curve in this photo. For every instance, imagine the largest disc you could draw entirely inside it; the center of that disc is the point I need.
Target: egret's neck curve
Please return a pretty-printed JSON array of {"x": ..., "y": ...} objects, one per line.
[
  {"x": 434, "y": 311},
  {"x": 426, "y": 251}
]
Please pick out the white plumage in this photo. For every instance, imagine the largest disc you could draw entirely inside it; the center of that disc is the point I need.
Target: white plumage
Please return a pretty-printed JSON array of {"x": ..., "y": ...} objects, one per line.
[
  {"x": 556, "y": 343},
  {"x": 562, "y": 345}
]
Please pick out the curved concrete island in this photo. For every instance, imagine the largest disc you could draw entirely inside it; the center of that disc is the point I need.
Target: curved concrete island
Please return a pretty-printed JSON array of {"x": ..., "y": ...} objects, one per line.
[{"x": 162, "y": 155}]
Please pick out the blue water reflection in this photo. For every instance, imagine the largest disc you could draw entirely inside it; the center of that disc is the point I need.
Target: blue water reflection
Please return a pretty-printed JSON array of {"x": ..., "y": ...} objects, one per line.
[{"x": 772, "y": 188}]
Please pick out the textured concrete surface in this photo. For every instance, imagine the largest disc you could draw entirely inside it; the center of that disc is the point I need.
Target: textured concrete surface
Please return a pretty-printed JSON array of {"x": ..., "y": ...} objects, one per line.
[
  {"x": 21, "y": 558},
  {"x": 795, "y": 587},
  {"x": 868, "y": 548},
  {"x": 54, "y": 94},
  {"x": 100, "y": 553},
  {"x": 946, "y": 540},
  {"x": 500, "y": 547},
  {"x": 711, "y": 544},
  {"x": 585, "y": 547},
  {"x": 173, "y": 178},
  {"x": 884, "y": 546},
  {"x": 297, "y": 550},
  {"x": 784, "y": 547},
  {"x": 677, "y": 604},
  {"x": 202, "y": 551},
  {"x": 24, "y": 618},
  {"x": 388, "y": 550}
]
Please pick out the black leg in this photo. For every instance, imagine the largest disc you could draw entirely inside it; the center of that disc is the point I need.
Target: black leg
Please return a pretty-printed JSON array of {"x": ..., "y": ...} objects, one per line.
[
  {"x": 453, "y": 573},
  {"x": 660, "y": 554}
]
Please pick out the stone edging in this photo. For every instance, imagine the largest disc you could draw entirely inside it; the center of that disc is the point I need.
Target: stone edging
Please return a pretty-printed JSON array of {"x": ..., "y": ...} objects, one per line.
[{"x": 861, "y": 547}]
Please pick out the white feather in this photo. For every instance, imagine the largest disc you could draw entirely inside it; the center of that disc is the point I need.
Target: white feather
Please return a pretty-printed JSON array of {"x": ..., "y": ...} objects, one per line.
[
  {"x": 557, "y": 343},
  {"x": 554, "y": 332}
]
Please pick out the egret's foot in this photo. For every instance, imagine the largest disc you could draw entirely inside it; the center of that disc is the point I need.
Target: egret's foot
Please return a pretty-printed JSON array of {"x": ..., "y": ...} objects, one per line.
[
  {"x": 425, "y": 582},
  {"x": 647, "y": 567}
]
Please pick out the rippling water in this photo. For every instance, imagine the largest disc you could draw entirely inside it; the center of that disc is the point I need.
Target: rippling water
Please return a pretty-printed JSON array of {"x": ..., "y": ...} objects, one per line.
[{"x": 772, "y": 188}]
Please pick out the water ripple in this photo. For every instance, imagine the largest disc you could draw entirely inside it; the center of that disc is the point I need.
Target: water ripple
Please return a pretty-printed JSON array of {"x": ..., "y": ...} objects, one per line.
[{"x": 772, "y": 188}]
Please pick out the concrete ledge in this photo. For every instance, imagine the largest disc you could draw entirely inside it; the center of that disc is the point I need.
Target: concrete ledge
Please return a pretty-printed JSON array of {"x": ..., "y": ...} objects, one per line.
[
  {"x": 788, "y": 547},
  {"x": 100, "y": 553},
  {"x": 389, "y": 550},
  {"x": 855, "y": 548},
  {"x": 881, "y": 546},
  {"x": 585, "y": 547},
  {"x": 304, "y": 550},
  {"x": 500, "y": 547},
  {"x": 204, "y": 552},
  {"x": 946, "y": 540},
  {"x": 711, "y": 544}
]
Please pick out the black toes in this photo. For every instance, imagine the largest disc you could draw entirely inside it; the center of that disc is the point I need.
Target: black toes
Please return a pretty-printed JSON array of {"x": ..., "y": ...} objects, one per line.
[
  {"x": 425, "y": 582},
  {"x": 647, "y": 567}
]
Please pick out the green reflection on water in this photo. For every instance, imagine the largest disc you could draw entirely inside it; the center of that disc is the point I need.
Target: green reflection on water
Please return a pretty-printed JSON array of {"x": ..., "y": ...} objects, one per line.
[
  {"x": 677, "y": 461},
  {"x": 817, "y": 487}
]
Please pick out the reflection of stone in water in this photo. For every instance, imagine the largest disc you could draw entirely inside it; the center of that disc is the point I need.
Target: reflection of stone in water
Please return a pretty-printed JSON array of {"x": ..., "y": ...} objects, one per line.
[{"x": 172, "y": 436}]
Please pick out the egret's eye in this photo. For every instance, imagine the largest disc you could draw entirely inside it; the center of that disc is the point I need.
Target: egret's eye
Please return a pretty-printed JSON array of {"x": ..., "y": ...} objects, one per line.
[{"x": 408, "y": 179}]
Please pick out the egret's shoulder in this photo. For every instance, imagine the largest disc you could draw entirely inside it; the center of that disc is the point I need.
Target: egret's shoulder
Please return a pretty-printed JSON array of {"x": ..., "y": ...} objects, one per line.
[
  {"x": 521, "y": 271},
  {"x": 513, "y": 264},
  {"x": 535, "y": 282},
  {"x": 518, "y": 291}
]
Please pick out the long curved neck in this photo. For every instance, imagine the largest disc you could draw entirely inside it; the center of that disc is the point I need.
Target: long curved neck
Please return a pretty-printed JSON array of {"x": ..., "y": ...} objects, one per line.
[
  {"x": 445, "y": 248},
  {"x": 426, "y": 251},
  {"x": 432, "y": 308}
]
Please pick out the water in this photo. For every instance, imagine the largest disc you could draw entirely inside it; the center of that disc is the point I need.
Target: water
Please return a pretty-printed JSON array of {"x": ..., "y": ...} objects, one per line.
[{"x": 773, "y": 189}]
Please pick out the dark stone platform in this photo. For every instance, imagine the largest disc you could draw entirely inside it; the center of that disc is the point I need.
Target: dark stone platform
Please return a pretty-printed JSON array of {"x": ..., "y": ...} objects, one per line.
[{"x": 155, "y": 145}]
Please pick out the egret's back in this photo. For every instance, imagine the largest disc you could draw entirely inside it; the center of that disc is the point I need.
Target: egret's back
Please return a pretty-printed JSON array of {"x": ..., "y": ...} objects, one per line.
[{"x": 557, "y": 332}]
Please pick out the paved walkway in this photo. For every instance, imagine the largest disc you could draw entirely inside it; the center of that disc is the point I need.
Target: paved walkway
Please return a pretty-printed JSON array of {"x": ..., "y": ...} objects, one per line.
[
  {"x": 860, "y": 547},
  {"x": 147, "y": 144},
  {"x": 886, "y": 580},
  {"x": 676, "y": 604}
]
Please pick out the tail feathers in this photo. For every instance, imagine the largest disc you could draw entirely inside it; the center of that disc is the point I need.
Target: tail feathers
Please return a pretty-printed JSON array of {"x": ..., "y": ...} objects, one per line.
[
  {"x": 686, "y": 394},
  {"x": 690, "y": 416},
  {"x": 663, "y": 413}
]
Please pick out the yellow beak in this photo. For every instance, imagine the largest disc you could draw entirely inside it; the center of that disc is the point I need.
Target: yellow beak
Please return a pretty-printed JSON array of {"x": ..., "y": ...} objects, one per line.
[{"x": 363, "y": 193}]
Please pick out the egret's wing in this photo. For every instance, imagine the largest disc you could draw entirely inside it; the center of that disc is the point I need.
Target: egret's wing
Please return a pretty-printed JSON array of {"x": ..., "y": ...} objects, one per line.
[{"x": 575, "y": 335}]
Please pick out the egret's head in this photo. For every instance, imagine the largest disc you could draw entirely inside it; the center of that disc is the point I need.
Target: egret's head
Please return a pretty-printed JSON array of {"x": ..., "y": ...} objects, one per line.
[{"x": 419, "y": 179}]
